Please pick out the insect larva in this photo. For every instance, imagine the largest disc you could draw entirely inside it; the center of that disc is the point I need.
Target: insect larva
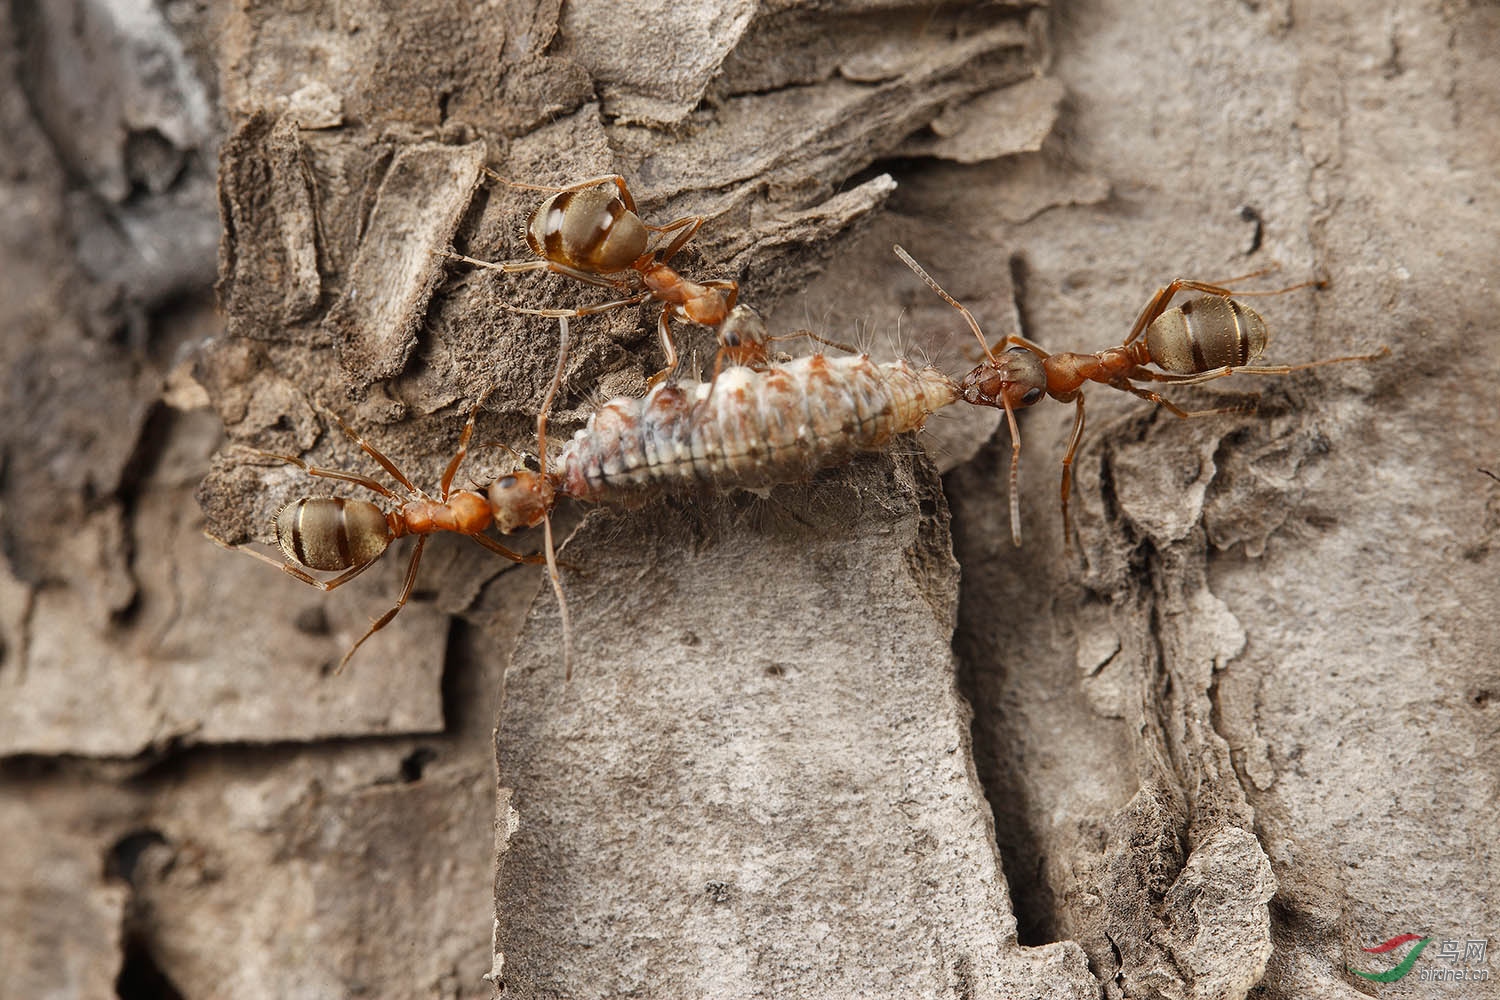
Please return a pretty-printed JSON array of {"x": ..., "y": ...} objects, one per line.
[
  {"x": 746, "y": 429},
  {"x": 755, "y": 429}
]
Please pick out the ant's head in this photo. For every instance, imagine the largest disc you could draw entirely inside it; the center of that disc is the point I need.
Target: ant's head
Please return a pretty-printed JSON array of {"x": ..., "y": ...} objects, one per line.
[
  {"x": 1009, "y": 381},
  {"x": 743, "y": 328},
  {"x": 520, "y": 500},
  {"x": 743, "y": 336},
  {"x": 1013, "y": 380}
]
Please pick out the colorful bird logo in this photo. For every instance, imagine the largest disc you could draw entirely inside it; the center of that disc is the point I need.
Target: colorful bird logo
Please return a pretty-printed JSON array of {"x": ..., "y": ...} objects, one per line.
[{"x": 1391, "y": 975}]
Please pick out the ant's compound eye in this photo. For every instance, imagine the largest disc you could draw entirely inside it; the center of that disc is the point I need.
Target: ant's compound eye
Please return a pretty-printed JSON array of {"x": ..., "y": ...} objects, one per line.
[
  {"x": 729, "y": 337},
  {"x": 505, "y": 483},
  {"x": 1031, "y": 397},
  {"x": 1017, "y": 350}
]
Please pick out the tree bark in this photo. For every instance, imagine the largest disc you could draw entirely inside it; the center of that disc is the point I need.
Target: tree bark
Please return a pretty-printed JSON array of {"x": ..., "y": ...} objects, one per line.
[{"x": 840, "y": 739}]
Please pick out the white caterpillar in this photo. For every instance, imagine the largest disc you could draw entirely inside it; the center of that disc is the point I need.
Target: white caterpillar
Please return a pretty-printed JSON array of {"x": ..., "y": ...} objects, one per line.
[{"x": 749, "y": 428}]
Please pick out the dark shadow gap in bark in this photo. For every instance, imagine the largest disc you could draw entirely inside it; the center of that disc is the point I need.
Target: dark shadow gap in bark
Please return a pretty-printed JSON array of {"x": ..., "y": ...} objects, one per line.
[
  {"x": 140, "y": 977},
  {"x": 1034, "y": 901},
  {"x": 1020, "y": 273}
]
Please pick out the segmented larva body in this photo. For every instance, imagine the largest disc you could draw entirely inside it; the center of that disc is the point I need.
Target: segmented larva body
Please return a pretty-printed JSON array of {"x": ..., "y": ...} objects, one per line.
[{"x": 750, "y": 428}]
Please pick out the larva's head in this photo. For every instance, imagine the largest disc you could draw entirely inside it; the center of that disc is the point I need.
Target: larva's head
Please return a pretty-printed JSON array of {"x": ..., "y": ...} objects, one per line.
[
  {"x": 1014, "y": 379},
  {"x": 521, "y": 500},
  {"x": 743, "y": 336}
]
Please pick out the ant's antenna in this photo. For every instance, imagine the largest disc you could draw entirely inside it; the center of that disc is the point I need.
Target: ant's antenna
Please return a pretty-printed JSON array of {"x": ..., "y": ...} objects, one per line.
[{"x": 541, "y": 446}]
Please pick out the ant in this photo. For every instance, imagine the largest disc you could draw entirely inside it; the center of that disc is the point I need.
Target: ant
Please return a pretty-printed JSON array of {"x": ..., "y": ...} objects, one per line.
[
  {"x": 588, "y": 232},
  {"x": 333, "y": 533},
  {"x": 1208, "y": 337}
]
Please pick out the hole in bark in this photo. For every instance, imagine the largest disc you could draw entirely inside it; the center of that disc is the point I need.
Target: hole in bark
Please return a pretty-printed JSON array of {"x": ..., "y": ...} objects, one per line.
[
  {"x": 312, "y": 620},
  {"x": 152, "y": 162},
  {"x": 140, "y": 977},
  {"x": 1249, "y": 214},
  {"x": 414, "y": 763},
  {"x": 126, "y": 853}
]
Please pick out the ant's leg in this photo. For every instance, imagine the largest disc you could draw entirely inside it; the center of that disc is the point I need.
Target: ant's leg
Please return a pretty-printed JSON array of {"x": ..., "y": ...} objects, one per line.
[
  {"x": 588, "y": 277},
  {"x": 291, "y": 569},
  {"x": 1163, "y": 297},
  {"x": 1260, "y": 273},
  {"x": 1159, "y": 302},
  {"x": 463, "y": 449},
  {"x": 1067, "y": 473},
  {"x": 540, "y": 264},
  {"x": 634, "y": 300},
  {"x": 385, "y": 619},
  {"x": 508, "y": 266},
  {"x": 688, "y": 224},
  {"x": 796, "y": 334},
  {"x": 1015, "y": 472},
  {"x": 501, "y": 550},
  {"x": 370, "y": 450},
  {"x": 1209, "y": 376},
  {"x": 1166, "y": 404},
  {"x": 664, "y": 332},
  {"x": 347, "y": 477},
  {"x": 1313, "y": 283}
]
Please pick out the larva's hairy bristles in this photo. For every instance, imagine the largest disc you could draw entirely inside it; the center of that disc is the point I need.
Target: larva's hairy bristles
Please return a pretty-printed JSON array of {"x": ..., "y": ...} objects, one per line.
[
  {"x": 595, "y": 398},
  {"x": 864, "y": 339},
  {"x": 809, "y": 322}
]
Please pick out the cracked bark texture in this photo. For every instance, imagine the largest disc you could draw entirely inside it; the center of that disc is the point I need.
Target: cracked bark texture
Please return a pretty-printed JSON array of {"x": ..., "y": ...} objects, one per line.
[{"x": 840, "y": 740}]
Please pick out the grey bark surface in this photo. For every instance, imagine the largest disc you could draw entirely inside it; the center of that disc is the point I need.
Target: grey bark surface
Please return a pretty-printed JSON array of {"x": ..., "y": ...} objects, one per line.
[{"x": 842, "y": 739}]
